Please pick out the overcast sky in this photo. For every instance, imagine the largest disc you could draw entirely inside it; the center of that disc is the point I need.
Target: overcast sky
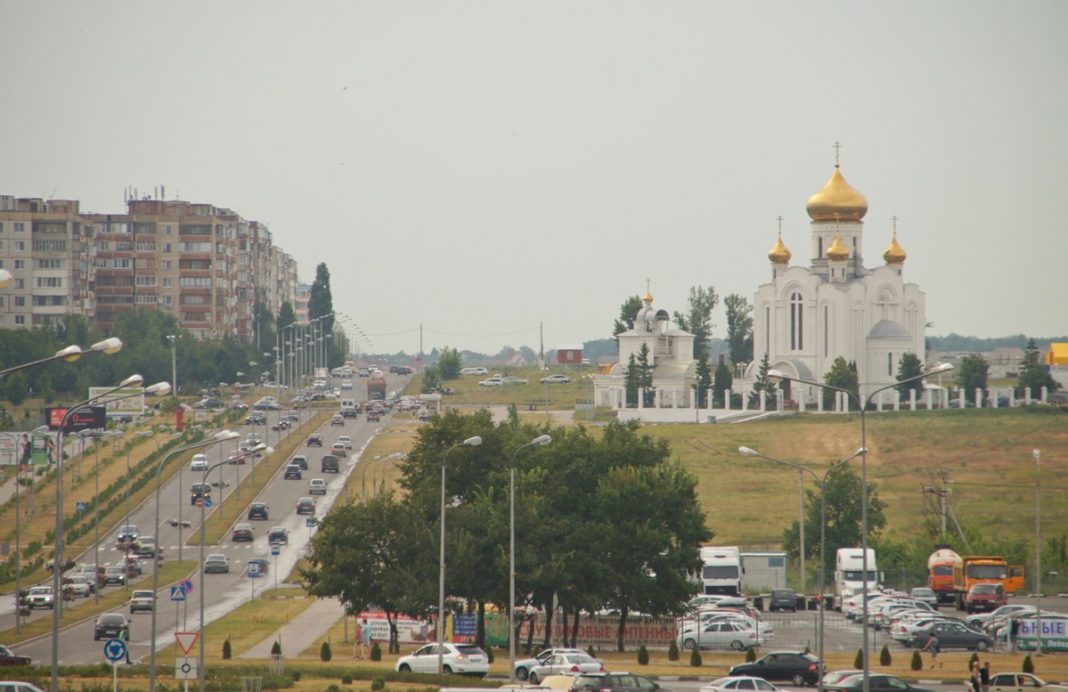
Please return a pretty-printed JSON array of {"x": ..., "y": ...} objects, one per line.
[{"x": 483, "y": 167}]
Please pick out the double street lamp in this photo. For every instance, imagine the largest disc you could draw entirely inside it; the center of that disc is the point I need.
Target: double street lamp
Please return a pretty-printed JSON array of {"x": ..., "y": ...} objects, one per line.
[
  {"x": 822, "y": 482},
  {"x": 469, "y": 442},
  {"x": 862, "y": 406}
]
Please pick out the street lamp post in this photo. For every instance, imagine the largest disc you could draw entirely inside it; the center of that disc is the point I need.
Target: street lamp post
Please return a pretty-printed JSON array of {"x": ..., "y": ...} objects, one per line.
[
  {"x": 220, "y": 436},
  {"x": 822, "y": 482},
  {"x": 862, "y": 407},
  {"x": 173, "y": 338},
  {"x": 469, "y": 442},
  {"x": 539, "y": 441},
  {"x": 1037, "y": 454}
]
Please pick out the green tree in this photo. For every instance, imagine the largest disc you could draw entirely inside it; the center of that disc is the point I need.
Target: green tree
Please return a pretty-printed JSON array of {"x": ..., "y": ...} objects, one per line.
[
  {"x": 841, "y": 375},
  {"x": 1033, "y": 376},
  {"x": 320, "y": 302},
  {"x": 763, "y": 383},
  {"x": 739, "y": 328},
  {"x": 645, "y": 375},
  {"x": 724, "y": 381},
  {"x": 703, "y": 379},
  {"x": 431, "y": 379},
  {"x": 972, "y": 374},
  {"x": 628, "y": 311},
  {"x": 698, "y": 321},
  {"x": 909, "y": 366},
  {"x": 632, "y": 380},
  {"x": 449, "y": 363},
  {"x": 286, "y": 315},
  {"x": 16, "y": 388}
]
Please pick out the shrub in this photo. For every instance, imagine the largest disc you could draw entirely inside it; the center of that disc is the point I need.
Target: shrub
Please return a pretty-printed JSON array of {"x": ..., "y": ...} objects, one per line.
[
  {"x": 858, "y": 660},
  {"x": 917, "y": 661},
  {"x": 376, "y": 652},
  {"x": 333, "y": 688},
  {"x": 324, "y": 652},
  {"x": 227, "y": 652},
  {"x": 346, "y": 679},
  {"x": 589, "y": 650},
  {"x": 643, "y": 656},
  {"x": 295, "y": 675},
  {"x": 673, "y": 651},
  {"x": 276, "y": 648},
  {"x": 750, "y": 655},
  {"x": 972, "y": 660},
  {"x": 695, "y": 658},
  {"x": 884, "y": 656},
  {"x": 1028, "y": 665},
  {"x": 378, "y": 684},
  {"x": 489, "y": 654}
]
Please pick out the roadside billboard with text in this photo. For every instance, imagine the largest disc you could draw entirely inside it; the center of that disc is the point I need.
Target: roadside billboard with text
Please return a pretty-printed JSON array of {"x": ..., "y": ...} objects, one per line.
[{"x": 117, "y": 404}]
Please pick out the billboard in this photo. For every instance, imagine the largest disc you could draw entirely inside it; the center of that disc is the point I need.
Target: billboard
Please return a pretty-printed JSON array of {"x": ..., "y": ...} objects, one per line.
[
  {"x": 42, "y": 449},
  {"x": 116, "y": 403},
  {"x": 9, "y": 450},
  {"x": 87, "y": 418}
]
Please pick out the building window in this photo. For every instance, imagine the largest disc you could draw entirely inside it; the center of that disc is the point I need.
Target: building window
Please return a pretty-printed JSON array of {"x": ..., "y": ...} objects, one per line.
[
  {"x": 48, "y": 264},
  {"x": 20, "y": 319},
  {"x": 20, "y": 283},
  {"x": 167, "y": 264},
  {"x": 20, "y": 301},
  {"x": 50, "y": 245},
  {"x": 167, "y": 282},
  {"x": 796, "y": 322},
  {"x": 20, "y": 227},
  {"x": 20, "y": 246},
  {"x": 49, "y": 282},
  {"x": 20, "y": 264}
]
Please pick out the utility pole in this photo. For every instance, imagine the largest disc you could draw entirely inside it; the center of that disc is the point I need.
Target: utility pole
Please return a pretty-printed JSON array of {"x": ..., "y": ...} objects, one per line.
[{"x": 541, "y": 345}]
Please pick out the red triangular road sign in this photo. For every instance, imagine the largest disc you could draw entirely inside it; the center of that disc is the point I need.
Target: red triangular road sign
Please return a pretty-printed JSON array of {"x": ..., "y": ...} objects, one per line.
[{"x": 186, "y": 640}]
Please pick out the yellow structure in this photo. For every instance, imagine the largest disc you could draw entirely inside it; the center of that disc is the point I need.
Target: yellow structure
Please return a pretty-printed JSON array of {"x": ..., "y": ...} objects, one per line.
[{"x": 1057, "y": 354}]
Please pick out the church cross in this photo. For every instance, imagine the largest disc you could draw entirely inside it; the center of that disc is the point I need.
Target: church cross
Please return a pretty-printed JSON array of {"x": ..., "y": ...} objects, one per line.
[
  {"x": 837, "y": 147},
  {"x": 780, "y": 225},
  {"x": 894, "y": 220}
]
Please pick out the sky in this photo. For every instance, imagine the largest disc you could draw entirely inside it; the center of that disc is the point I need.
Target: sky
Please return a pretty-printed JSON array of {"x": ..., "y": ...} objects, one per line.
[{"x": 485, "y": 168}]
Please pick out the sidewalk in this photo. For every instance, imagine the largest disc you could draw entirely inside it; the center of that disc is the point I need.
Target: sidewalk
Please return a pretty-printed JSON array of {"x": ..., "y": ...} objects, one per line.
[
  {"x": 7, "y": 489},
  {"x": 302, "y": 631}
]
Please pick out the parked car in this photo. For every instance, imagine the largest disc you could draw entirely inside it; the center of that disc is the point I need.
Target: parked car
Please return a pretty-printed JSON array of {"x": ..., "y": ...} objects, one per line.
[
  {"x": 473, "y": 371},
  {"x": 315, "y": 440},
  {"x": 1021, "y": 682},
  {"x": 570, "y": 663},
  {"x": 10, "y": 658},
  {"x": 317, "y": 486},
  {"x": 783, "y": 599},
  {"x": 111, "y": 626},
  {"x": 796, "y": 667},
  {"x": 199, "y": 463},
  {"x": 306, "y": 505},
  {"x": 877, "y": 683},
  {"x": 142, "y": 600},
  {"x": 728, "y": 634},
  {"x": 278, "y": 535},
  {"x": 209, "y": 403},
  {"x": 258, "y": 510},
  {"x": 459, "y": 659},
  {"x": 737, "y": 683},
  {"x": 216, "y": 563},
  {"x": 242, "y": 532},
  {"x": 926, "y": 595},
  {"x": 492, "y": 381},
  {"x": 329, "y": 464},
  {"x": 522, "y": 667},
  {"x": 614, "y": 682},
  {"x": 292, "y": 473},
  {"x": 555, "y": 379},
  {"x": 954, "y": 635}
]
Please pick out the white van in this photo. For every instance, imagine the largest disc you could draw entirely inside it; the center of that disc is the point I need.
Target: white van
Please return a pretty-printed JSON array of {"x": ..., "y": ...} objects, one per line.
[{"x": 348, "y": 408}]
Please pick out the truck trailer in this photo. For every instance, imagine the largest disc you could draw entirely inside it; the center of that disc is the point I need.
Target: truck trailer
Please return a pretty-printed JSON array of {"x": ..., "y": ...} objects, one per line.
[
  {"x": 721, "y": 570},
  {"x": 849, "y": 575},
  {"x": 376, "y": 387},
  {"x": 940, "y": 566}
]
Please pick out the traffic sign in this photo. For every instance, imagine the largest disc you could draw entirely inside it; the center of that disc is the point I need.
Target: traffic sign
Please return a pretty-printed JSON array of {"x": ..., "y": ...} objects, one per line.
[
  {"x": 276, "y": 550},
  {"x": 177, "y": 593},
  {"x": 185, "y": 669},
  {"x": 186, "y": 640},
  {"x": 207, "y": 502},
  {"x": 81, "y": 506},
  {"x": 254, "y": 570},
  {"x": 309, "y": 522},
  {"x": 187, "y": 585},
  {"x": 114, "y": 650}
]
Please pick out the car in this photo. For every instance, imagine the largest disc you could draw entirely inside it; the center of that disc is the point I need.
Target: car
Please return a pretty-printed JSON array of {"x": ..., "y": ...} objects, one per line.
[
  {"x": 346, "y": 384},
  {"x": 739, "y": 682},
  {"x": 111, "y": 626},
  {"x": 474, "y": 371},
  {"x": 522, "y": 667},
  {"x": 237, "y": 404},
  {"x": 373, "y": 415},
  {"x": 570, "y": 663},
  {"x": 145, "y": 546},
  {"x": 209, "y": 403},
  {"x": 81, "y": 584},
  {"x": 997, "y": 618},
  {"x": 278, "y": 535},
  {"x": 613, "y": 682},
  {"x": 292, "y": 416},
  {"x": 237, "y": 458},
  {"x": 459, "y": 659},
  {"x": 199, "y": 463},
  {"x": 115, "y": 575},
  {"x": 329, "y": 464},
  {"x": 315, "y": 440},
  {"x": 256, "y": 418},
  {"x": 127, "y": 534},
  {"x": 783, "y": 599},
  {"x": 258, "y": 510},
  {"x": 926, "y": 595},
  {"x": 40, "y": 597},
  {"x": 242, "y": 532},
  {"x": 877, "y": 682},
  {"x": 282, "y": 424},
  {"x": 267, "y": 403},
  {"x": 735, "y": 634},
  {"x": 142, "y": 600},
  {"x": 833, "y": 677},
  {"x": 796, "y": 667},
  {"x": 345, "y": 440},
  {"x": 338, "y": 449},
  {"x": 953, "y": 635},
  {"x": 317, "y": 486},
  {"x": 492, "y": 381},
  {"x": 197, "y": 493},
  {"x": 301, "y": 461},
  {"x": 216, "y": 563},
  {"x": 292, "y": 473},
  {"x": 987, "y": 597},
  {"x": 306, "y": 505},
  {"x": 337, "y": 419},
  {"x": 10, "y": 658},
  {"x": 555, "y": 379},
  {"x": 512, "y": 379},
  {"x": 1021, "y": 682}
]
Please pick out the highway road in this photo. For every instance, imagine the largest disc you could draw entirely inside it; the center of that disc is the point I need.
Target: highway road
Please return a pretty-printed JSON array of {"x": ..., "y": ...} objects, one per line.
[{"x": 224, "y": 592}]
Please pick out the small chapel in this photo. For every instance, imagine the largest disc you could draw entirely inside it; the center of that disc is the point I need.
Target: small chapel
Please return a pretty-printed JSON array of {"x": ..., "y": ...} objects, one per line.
[{"x": 804, "y": 317}]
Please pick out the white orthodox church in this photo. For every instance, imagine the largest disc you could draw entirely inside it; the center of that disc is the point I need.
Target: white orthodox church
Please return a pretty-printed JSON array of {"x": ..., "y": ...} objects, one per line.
[{"x": 805, "y": 317}]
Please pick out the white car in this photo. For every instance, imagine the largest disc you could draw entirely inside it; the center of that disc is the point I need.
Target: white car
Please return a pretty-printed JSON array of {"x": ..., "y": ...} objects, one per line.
[
  {"x": 1021, "y": 682},
  {"x": 725, "y": 635},
  {"x": 317, "y": 486},
  {"x": 16, "y": 686},
  {"x": 522, "y": 668},
  {"x": 565, "y": 664},
  {"x": 739, "y": 682},
  {"x": 555, "y": 379},
  {"x": 199, "y": 463},
  {"x": 459, "y": 659},
  {"x": 494, "y": 381},
  {"x": 345, "y": 440},
  {"x": 346, "y": 384},
  {"x": 474, "y": 371}
]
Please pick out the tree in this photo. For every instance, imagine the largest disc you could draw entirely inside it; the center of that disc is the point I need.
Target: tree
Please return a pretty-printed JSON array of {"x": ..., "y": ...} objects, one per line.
[
  {"x": 431, "y": 379},
  {"x": 645, "y": 375},
  {"x": 909, "y": 366},
  {"x": 973, "y": 373},
  {"x": 739, "y": 328},
  {"x": 286, "y": 315},
  {"x": 628, "y": 311},
  {"x": 632, "y": 380},
  {"x": 16, "y": 388},
  {"x": 724, "y": 381},
  {"x": 449, "y": 363},
  {"x": 841, "y": 375},
  {"x": 320, "y": 302},
  {"x": 764, "y": 384},
  {"x": 699, "y": 319},
  {"x": 1033, "y": 377},
  {"x": 703, "y": 380}
]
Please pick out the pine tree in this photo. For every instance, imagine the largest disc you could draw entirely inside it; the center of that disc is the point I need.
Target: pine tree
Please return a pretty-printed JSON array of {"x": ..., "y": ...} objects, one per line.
[
  {"x": 724, "y": 381},
  {"x": 764, "y": 384},
  {"x": 842, "y": 375},
  {"x": 703, "y": 380},
  {"x": 1033, "y": 377},
  {"x": 632, "y": 381},
  {"x": 909, "y": 366},
  {"x": 645, "y": 375}
]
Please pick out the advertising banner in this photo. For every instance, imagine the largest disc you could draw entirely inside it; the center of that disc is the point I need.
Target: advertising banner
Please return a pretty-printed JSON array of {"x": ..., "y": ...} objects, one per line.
[
  {"x": 42, "y": 449},
  {"x": 87, "y": 418},
  {"x": 9, "y": 449},
  {"x": 1054, "y": 634},
  {"x": 114, "y": 402}
]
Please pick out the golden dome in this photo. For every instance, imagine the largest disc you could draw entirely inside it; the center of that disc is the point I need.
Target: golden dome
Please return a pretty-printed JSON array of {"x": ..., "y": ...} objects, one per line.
[
  {"x": 837, "y": 200},
  {"x": 894, "y": 254},
  {"x": 648, "y": 297},
  {"x": 779, "y": 254},
  {"x": 837, "y": 251}
]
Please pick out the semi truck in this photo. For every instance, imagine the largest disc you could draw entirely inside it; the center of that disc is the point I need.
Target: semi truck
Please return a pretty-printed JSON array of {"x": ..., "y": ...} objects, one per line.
[
  {"x": 850, "y": 576},
  {"x": 940, "y": 566},
  {"x": 376, "y": 387},
  {"x": 721, "y": 570}
]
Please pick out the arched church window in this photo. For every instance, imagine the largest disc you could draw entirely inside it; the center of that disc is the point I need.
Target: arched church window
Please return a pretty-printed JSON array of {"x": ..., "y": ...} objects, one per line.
[{"x": 796, "y": 322}]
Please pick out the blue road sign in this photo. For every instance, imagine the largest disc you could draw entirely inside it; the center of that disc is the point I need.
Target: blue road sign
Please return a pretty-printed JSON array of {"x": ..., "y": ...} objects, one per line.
[
  {"x": 276, "y": 550},
  {"x": 254, "y": 570},
  {"x": 187, "y": 585},
  {"x": 178, "y": 592},
  {"x": 114, "y": 650},
  {"x": 208, "y": 502},
  {"x": 309, "y": 522}
]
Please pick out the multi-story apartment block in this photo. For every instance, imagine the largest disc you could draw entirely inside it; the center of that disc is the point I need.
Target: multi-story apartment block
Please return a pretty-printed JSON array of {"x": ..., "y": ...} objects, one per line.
[{"x": 205, "y": 264}]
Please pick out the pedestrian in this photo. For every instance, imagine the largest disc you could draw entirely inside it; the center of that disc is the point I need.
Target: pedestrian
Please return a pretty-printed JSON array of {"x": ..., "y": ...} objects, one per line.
[
  {"x": 124, "y": 637},
  {"x": 932, "y": 646},
  {"x": 357, "y": 641},
  {"x": 1014, "y": 631},
  {"x": 984, "y": 677},
  {"x": 365, "y": 639},
  {"x": 973, "y": 674}
]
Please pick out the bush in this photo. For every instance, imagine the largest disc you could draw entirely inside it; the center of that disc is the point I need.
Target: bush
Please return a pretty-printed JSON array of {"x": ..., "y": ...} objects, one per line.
[
  {"x": 227, "y": 652},
  {"x": 376, "y": 652},
  {"x": 489, "y": 654},
  {"x": 695, "y": 658},
  {"x": 972, "y": 660},
  {"x": 1028, "y": 665},
  {"x": 333, "y": 688},
  {"x": 673, "y": 651},
  {"x": 589, "y": 650},
  {"x": 750, "y": 655},
  {"x": 295, "y": 675},
  {"x": 324, "y": 652},
  {"x": 643, "y": 656},
  {"x": 346, "y": 679},
  {"x": 884, "y": 656},
  {"x": 276, "y": 648},
  {"x": 378, "y": 684},
  {"x": 858, "y": 660},
  {"x": 917, "y": 661}
]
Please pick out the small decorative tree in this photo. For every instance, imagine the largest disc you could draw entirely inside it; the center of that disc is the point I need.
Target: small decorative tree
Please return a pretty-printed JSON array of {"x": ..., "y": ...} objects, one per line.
[
  {"x": 917, "y": 661},
  {"x": 884, "y": 656},
  {"x": 378, "y": 684},
  {"x": 643, "y": 656},
  {"x": 673, "y": 651},
  {"x": 695, "y": 658},
  {"x": 1028, "y": 665},
  {"x": 972, "y": 660},
  {"x": 589, "y": 650},
  {"x": 750, "y": 655},
  {"x": 227, "y": 651},
  {"x": 858, "y": 660},
  {"x": 376, "y": 652},
  {"x": 276, "y": 648},
  {"x": 324, "y": 652}
]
